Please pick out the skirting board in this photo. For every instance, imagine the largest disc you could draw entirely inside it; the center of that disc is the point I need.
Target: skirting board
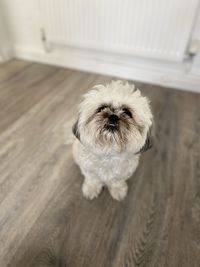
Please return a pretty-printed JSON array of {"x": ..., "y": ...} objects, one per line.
[
  {"x": 6, "y": 53},
  {"x": 159, "y": 73}
]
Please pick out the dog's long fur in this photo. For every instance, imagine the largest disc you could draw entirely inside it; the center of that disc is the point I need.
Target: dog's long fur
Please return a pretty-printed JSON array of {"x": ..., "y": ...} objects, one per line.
[{"x": 108, "y": 153}]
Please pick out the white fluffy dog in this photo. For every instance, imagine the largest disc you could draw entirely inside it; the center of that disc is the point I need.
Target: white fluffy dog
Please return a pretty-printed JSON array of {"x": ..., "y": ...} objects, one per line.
[{"x": 112, "y": 129}]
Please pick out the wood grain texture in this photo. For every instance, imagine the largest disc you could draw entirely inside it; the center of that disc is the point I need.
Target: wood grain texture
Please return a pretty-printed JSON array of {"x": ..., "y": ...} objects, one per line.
[{"x": 45, "y": 221}]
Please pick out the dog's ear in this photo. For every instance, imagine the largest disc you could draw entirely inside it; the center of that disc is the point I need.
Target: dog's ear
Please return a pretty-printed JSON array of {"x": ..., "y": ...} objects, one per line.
[
  {"x": 75, "y": 130},
  {"x": 148, "y": 143}
]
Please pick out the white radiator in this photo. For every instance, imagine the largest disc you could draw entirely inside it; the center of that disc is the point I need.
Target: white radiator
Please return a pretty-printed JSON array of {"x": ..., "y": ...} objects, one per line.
[{"x": 149, "y": 28}]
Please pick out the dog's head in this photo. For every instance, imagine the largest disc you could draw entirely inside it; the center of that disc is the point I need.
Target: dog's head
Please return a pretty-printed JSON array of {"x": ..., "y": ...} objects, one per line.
[{"x": 114, "y": 117}]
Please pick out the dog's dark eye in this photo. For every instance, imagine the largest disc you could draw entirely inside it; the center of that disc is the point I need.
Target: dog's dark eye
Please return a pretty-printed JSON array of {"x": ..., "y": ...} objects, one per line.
[
  {"x": 127, "y": 112},
  {"x": 101, "y": 108}
]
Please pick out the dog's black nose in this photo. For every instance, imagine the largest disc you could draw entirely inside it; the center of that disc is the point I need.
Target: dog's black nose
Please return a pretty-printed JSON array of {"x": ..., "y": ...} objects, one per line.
[{"x": 113, "y": 119}]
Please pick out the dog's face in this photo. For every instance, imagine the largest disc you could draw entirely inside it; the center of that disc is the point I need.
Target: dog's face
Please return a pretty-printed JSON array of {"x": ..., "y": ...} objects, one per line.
[{"x": 114, "y": 117}]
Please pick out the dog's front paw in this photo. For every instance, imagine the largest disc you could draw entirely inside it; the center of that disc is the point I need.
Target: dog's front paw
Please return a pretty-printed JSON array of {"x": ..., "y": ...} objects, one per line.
[
  {"x": 118, "y": 191},
  {"x": 91, "y": 190}
]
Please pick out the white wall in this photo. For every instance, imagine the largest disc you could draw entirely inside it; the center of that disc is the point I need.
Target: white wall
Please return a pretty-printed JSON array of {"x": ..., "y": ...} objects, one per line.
[
  {"x": 6, "y": 51},
  {"x": 25, "y": 23}
]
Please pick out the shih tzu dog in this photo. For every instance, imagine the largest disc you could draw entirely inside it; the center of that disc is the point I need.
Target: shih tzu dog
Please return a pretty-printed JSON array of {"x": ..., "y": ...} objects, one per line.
[{"x": 112, "y": 130}]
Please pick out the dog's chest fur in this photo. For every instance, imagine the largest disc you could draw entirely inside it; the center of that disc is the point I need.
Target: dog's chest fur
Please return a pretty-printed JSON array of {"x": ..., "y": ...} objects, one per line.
[{"x": 106, "y": 167}]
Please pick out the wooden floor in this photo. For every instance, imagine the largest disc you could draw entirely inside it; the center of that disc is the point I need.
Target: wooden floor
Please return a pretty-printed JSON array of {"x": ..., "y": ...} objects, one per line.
[{"x": 45, "y": 221}]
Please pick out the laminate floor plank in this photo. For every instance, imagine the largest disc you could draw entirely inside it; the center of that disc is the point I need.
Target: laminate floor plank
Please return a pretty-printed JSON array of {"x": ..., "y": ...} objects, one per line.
[{"x": 11, "y": 69}]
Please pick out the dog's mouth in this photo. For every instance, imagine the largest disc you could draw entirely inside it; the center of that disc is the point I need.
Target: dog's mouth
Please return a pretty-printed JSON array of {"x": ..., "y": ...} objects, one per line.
[{"x": 111, "y": 127}]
